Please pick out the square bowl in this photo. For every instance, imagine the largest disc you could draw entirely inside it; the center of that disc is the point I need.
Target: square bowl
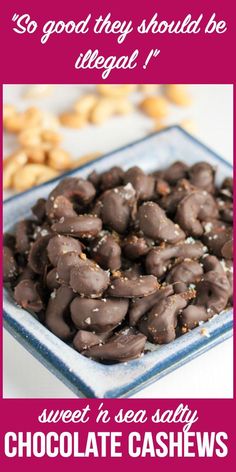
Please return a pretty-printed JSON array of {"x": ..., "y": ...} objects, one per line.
[{"x": 85, "y": 377}]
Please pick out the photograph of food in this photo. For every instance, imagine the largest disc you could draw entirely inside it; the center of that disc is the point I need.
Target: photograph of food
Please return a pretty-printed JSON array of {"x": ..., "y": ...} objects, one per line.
[{"x": 116, "y": 262}]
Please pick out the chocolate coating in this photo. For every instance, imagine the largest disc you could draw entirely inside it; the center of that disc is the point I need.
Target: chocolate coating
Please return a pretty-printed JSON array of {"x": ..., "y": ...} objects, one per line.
[
  {"x": 194, "y": 208},
  {"x": 98, "y": 315},
  {"x": 143, "y": 184},
  {"x": 57, "y": 311},
  {"x": 88, "y": 279},
  {"x": 128, "y": 288},
  {"x": 155, "y": 224},
  {"x": 10, "y": 268},
  {"x": 202, "y": 175},
  {"x": 120, "y": 348},
  {"x": 27, "y": 296},
  {"x": 59, "y": 245},
  {"x": 85, "y": 339},
  {"x": 183, "y": 274},
  {"x": 135, "y": 247},
  {"x": 116, "y": 207},
  {"x": 38, "y": 258},
  {"x": 106, "y": 251},
  {"x": 80, "y": 226},
  {"x": 160, "y": 322},
  {"x": 213, "y": 292},
  {"x": 161, "y": 258},
  {"x": 140, "y": 306},
  {"x": 79, "y": 191}
]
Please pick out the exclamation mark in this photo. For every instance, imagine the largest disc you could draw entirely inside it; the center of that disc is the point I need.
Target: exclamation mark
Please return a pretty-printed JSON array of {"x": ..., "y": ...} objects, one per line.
[{"x": 154, "y": 53}]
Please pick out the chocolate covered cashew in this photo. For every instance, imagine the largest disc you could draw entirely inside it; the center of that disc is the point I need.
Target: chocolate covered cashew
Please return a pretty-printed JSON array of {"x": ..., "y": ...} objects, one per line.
[
  {"x": 24, "y": 231},
  {"x": 183, "y": 274},
  {"x": 88, "y": 279},
  {"x": 59, "y": 245},
  {"x": 27, "y": 296},
  {"x": 160, "y": 322},
  {"x": 106, "y": 251},
  {"x": 175, "y": 172},
  {"x": 140, "y": 306},
  {"x": 79, "y": 191},
  {"x": 212, "y": 294},
  {"x": 58, "y": 311},
  {"x": 80, "y": 226},
  {"x": 129, "y": 288},
  {"x": 134, "y": 247},
  {"x": 194, "y": 208},
  {"x": 38, "y": 258},
  {"x": 119, "y": 348},
  {"x": 143, "y": 184},
  {"x": 85, "y": 339},
  {"x": 108, "y": 179},
  {"x": 116, "y": 207},
  {"x": 202, "y": 175},
  {"x": 161, "y": 258},
  {"x": 155, "y": 225},
  {"x": 216, "y": 235},
  {"x": 39, "y": 210},
  {"x": 99, "y": 315},
  {"x": 10, "y": 268}
]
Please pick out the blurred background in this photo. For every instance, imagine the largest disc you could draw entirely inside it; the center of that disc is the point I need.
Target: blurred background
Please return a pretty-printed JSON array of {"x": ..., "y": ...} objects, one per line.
[{"x": 49, "y": 129}]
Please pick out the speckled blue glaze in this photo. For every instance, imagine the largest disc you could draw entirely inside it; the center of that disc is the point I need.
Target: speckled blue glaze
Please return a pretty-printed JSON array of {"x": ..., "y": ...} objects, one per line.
[{"x": 83, "y": 376}]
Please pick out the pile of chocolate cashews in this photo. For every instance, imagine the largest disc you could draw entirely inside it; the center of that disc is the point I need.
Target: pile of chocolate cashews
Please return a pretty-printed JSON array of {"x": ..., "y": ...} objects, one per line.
[{"x": 124, "y": 257}]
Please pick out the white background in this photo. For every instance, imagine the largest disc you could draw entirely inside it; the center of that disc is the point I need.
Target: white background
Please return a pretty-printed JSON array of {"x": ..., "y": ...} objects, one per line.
[{"x": 211, "y": 374}]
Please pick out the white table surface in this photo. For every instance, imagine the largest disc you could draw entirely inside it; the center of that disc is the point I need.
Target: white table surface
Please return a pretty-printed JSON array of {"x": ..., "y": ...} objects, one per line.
[{"x": 211, "y": 374}]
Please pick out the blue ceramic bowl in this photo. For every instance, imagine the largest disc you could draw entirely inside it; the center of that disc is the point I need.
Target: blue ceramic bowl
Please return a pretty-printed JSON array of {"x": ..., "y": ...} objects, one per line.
[{"x": 83, "y": 376}]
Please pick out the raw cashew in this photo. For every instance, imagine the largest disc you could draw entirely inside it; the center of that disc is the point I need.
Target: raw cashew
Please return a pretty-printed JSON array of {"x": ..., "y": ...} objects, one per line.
[
  {"x": 30, "y": 137},
  {"x": 32, "y": 174},
  {"x": 85, "y": 104},
  {"x": 8, "y": 110},
  {"x": 59, "y": 159},
  {"x": 178, "y": 94},
  {"x": 30, "y": 118},
  {"x": 50, "y": 136},
  {"x": 36, "y": 154},
  {"x": 116, "y": 91},
  {"x": 73, "y": 120},
  {"x": 107, "y": 107},
  {"x": 11, "y": 165},
  {"x": 155, "y": 106}
]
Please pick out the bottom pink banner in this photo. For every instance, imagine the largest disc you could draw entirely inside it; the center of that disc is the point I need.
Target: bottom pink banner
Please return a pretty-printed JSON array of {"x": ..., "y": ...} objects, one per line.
[{"x": 117, "y": 433}]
